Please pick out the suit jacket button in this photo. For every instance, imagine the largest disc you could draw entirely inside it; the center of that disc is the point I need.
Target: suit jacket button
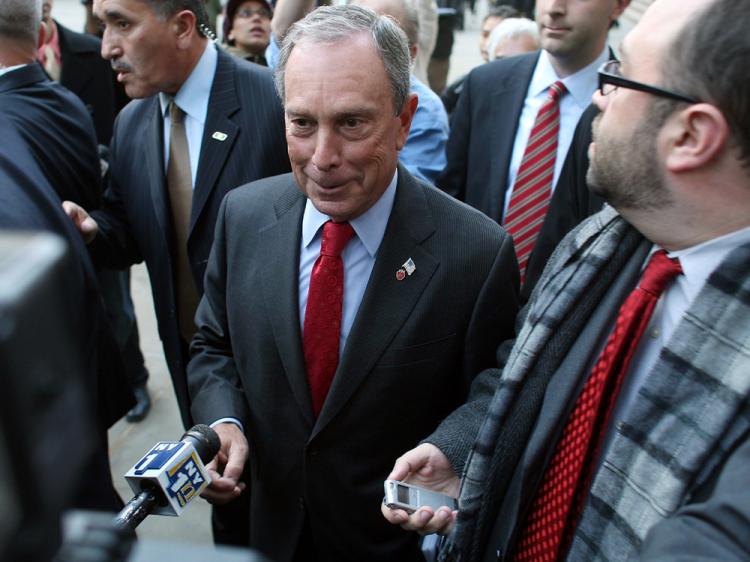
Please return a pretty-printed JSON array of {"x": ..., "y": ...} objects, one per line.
[{"x": 301, "y": 502}]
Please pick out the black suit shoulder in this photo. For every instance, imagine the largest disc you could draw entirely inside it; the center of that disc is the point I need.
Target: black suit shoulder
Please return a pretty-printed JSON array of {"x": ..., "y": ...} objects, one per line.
[
  {"x": 90, "y": 77},
  {"x": 57, "y": 129},
  {"x": 517, "y": 67}
]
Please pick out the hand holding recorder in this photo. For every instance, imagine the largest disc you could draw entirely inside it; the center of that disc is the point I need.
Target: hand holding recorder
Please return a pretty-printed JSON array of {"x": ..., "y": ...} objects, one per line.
[{"x": 424, "y": 467}]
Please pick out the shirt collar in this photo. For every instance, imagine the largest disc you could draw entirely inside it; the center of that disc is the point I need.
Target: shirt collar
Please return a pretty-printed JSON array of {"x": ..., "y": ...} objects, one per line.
[
  {"x": 581, "y": 85},
  {"x": 192, "y": 97},
  {"x": 699, "y": 261},
  {"x": 369, "y": 226},
  {"x": 6, "y": 69}
]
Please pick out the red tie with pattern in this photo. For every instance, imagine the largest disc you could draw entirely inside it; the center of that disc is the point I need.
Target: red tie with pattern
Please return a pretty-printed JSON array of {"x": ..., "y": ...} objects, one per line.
[
  {"x": 533, "y": 188},
  {"x": 325, "y": 297},
  {"x": 554, "y": 514}
]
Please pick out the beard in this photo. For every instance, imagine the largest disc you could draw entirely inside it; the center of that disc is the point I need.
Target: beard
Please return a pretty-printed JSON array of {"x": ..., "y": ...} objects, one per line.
[{"x": 625, "y": 171}]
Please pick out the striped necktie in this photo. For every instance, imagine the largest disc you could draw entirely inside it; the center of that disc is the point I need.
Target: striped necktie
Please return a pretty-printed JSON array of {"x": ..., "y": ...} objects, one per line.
[{"x": 533, "y": 188}]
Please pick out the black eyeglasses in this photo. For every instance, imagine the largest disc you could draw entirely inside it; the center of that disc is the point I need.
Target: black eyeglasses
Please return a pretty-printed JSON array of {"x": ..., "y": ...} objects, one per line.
[
  {"x": 250, "y": 12},
  {"x": 610, "y": 79}
]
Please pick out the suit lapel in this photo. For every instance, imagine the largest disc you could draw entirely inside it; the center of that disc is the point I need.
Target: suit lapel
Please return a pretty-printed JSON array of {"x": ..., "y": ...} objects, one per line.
[
  {"x": 505, "y": 109},
  {"x": 153, "y": 157},
  {"x": 387, "y": 302},
  {"x": 280, "y": 252},
  {"x": 219, "y": 134}
]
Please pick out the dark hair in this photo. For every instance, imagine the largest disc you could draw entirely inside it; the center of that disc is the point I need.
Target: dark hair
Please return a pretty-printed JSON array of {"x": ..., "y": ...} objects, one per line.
[
  {"x": 229, "y": 12},
  {"x": 711, "y": 61},
  {"x": 167, "y": 8},
  {"x": 503, "y": 11}
]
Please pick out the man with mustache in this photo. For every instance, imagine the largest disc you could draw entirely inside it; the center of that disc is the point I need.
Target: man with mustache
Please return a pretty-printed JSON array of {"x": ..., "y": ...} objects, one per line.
[
  {"x": 202, "y": 123},
  {"x": 340, "y": 301},
  {"x": 515, "y": 118},
  {"x": 620, "y": 425}
]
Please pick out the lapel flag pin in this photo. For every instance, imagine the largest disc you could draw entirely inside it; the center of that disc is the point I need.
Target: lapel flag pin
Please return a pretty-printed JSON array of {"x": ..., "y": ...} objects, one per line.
[
  {"x": 219, "y": 136},
  {"x": 406, "y": 269}
]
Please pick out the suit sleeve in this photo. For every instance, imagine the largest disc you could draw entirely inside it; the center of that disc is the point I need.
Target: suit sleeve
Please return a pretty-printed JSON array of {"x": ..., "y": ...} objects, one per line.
[
  {"x": 453, "y": 178},
  {"x": 714, "y": 525},
  {"x": 115, "y": 246},
  {"x": 213, "y": 381}
]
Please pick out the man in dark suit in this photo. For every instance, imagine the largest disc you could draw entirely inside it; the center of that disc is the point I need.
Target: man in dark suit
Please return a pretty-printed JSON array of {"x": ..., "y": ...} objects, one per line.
[
  {"x": 49, "y": 152},
  {"x": 624, "y": 405},
  {"x": 338, "y": 293},
  {"x": 500, "y": 103},
  {"x": 233, "y": 130}
]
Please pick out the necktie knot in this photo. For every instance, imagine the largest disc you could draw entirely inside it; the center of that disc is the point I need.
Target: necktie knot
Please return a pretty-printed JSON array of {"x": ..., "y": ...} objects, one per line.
[
  {"x": 176, "y": 115},
  {"x": 659, "y": 273},
  {"x": 336, "y": 236},
  {"x": 556, "y": 91}
]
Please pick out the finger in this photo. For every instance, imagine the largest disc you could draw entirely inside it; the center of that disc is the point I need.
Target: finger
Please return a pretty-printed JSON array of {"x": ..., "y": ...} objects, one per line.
[
  {"x": 419, "y": 520},
  {"x": 442, "y": 522},
  {"x": 394, "y": 516},
  {"x": 235, "y": 462},
  {"x": 401, "y": 470}
]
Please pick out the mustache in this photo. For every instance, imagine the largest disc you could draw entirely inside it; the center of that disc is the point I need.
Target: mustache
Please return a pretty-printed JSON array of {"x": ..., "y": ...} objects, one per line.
[{"x": 120, "y": 66}]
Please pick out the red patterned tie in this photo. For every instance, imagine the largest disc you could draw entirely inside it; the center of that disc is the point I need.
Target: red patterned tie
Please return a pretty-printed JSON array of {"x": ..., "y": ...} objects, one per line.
[
  {"x": 325, "y": 298},
  {"x": 533, "y": 188},
  {"x": 550, "y": 524}
]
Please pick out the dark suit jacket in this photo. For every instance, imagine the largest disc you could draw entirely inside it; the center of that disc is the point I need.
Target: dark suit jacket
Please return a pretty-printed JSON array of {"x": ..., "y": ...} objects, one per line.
[
  {"x": 480, "y": 146},
  {"x": 29, "y": 201},
  {"x": 135, "y": 223},
  {"x": 57, "y": 138},
  {"x": 57, "y": 129},
  {"x": 90, "y": 77},
  {"x": 413, "y": 349}
]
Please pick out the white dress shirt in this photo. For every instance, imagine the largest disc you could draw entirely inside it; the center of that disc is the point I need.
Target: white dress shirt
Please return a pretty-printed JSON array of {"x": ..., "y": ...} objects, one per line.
[
  {"x": 192, "y": 98},
  {"x": 6, "y": 69},
  {"x": 581, "y": 86},
  {"x": 698, "y": 262},
  {"x": 358, "y": 255}
]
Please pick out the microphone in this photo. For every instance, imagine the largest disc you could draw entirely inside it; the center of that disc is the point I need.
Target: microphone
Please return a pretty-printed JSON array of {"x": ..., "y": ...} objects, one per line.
[{"x": 169, "y": 476}]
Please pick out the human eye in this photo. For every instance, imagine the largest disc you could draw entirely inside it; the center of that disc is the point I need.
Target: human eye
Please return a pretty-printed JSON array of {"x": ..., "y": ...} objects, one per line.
[{"x": 300, "y": 125}]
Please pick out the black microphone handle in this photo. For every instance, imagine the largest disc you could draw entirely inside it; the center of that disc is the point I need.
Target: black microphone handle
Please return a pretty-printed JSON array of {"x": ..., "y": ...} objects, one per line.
[{"x": 136, "y": 510}]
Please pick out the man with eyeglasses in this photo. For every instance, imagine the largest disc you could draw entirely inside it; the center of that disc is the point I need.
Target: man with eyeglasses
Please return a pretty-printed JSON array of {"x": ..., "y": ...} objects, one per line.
[
  {"x": 247, "y": 29},
  {"x": 513, "y": 124},
  {"x": 619, "y": 428}
]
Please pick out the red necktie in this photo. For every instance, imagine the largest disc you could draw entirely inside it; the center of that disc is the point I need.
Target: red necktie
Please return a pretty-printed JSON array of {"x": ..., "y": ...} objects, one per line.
[
  {"x": 533, "y": 188},
  {"x": 325, "y": 297},
  {"x": 554, "y": 514}
]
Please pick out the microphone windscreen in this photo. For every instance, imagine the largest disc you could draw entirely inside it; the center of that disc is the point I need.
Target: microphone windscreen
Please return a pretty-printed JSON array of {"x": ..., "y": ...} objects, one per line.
[{"x": 205, "y": 440}]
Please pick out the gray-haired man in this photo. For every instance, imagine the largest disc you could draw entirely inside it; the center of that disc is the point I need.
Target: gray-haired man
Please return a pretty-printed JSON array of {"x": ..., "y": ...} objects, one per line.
[{"x": 307, "y": 345}]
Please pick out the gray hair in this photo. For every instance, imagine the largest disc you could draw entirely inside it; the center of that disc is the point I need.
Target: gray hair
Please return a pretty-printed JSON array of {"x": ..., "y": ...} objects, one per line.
[
  {"x": 20, "y": 19},
  {"x": 331, "y": 24},
  {"x": 512, "y": 28}
]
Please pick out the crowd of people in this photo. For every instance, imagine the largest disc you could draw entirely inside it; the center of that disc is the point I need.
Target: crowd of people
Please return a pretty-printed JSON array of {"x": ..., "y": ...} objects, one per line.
[{"x": 538, "y": 305}]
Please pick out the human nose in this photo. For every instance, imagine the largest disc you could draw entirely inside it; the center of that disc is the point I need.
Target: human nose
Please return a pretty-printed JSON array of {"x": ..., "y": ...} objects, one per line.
[
  {"x": 557, "y": 7},
  {"x": 599, "y": 100},
  {"x": 327, "y": 153},
  {"x": 108, "y": 45}
]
